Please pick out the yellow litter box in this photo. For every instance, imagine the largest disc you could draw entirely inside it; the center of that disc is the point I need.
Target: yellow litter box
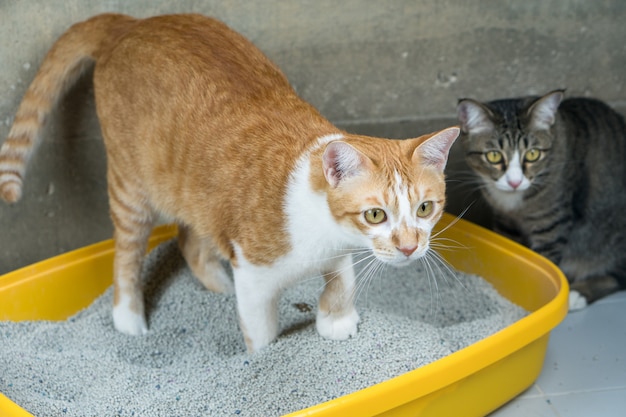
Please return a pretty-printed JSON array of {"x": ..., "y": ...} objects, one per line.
[{"x": 471, "y": 382}]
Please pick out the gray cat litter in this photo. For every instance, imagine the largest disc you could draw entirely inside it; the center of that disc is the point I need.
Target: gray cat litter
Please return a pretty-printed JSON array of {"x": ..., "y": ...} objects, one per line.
[{"x": 193, "y": 361}]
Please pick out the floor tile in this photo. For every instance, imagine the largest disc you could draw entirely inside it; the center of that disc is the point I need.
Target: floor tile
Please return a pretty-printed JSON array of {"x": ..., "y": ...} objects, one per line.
[
  {"x": 532, "y": 392},
  {"x": 610, "y": 403},
  {"x": 618, "y": 297},
  {"x": 526, "y": 407},
  {"x": 587, "y": 351},
  {"x": 584, "y": 373}
]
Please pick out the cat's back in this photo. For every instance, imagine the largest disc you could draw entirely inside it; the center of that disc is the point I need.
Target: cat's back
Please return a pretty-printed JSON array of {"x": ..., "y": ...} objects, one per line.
[
  {"x": 186, "y": 81},
  {"x": 183, "y": 50},
  {"x": 589, "y": 115},
  {"x": 206, "y": 123},
  {"x": 596, "y": 138},
  {"x": 598, "y": 134}
]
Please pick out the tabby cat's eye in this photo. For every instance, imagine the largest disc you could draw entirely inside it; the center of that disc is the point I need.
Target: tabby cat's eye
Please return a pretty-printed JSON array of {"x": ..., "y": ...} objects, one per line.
[
  {"x": 425, "y": 209},
  {"x": 532, "y": 155},
  {"x": 375, "y": 216},
  {"x": 493, "y": 157}
]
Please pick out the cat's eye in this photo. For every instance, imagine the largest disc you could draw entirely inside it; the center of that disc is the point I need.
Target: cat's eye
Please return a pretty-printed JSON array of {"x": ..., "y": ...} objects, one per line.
[
  {"x": 532, "y": 155},
  {"x": 375, "y": 216},
  {"x": 425, "y": 209},
  {"x": 493, "y": 157}
]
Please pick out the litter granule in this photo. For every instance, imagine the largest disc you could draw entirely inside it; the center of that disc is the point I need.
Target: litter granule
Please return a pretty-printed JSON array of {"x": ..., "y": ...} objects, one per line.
[{"x": 193, "y": 361}]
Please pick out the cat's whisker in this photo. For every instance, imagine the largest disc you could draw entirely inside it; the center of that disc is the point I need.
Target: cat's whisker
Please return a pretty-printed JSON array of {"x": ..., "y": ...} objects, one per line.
[
  {"x": 365, "y": 278},
  {"x": 446, "y": 244},
  {"x": 465, "y": 177},
  {"x": 369, "y": 257},
  {"x": 453, "y": 222},
  {"x": 362, "y": 278},
  {"x": 359, "y": 256},
  {"x": 338, "y": 254},
  {"x": 444, "y": 267},
  {"x": 435, "y": 298}
]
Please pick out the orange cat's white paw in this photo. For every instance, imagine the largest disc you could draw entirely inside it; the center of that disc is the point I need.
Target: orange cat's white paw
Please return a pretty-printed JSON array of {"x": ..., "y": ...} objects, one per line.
[
  {"x": 128, "y": 321},
  {"x": 335, "y": 327},
  {"x": 576, "y": 301}
]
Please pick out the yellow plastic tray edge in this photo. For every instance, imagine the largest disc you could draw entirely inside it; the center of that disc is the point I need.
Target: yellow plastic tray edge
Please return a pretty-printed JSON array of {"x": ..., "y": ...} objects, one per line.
[
  {"x": 81, "y": 255},
  {"x": 9, "y": 408},
  {"x": 389, "y": 394}
]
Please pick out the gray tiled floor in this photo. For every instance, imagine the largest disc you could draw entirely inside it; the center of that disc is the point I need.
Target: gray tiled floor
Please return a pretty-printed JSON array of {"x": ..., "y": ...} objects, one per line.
[{"x": 584, "y": 373}]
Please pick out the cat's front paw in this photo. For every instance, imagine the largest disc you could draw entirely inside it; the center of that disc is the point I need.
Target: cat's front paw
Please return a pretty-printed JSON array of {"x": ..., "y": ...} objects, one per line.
[
  {"x": 128, "y": 321},
  {"x": 576, "y": 301},
  {"x": 337, "y": 327}
]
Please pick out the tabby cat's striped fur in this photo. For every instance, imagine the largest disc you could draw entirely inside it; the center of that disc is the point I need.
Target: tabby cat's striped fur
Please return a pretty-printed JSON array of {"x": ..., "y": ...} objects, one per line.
[
  {"x": 554, "y": 171},
  {"x": 201, "y": 127}
]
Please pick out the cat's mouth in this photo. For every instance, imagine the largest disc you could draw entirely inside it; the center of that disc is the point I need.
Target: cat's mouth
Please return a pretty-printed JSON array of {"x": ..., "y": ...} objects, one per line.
[
  {"x": 509, "y": 189},
  {"x": 399, "y": 259},
  {"x": 402, "y": 262},
  {"x": 512, "y": 185}
]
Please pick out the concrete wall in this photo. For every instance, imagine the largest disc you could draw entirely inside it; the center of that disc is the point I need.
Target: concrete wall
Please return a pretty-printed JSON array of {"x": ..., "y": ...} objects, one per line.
[{"x": 389, "y": 68}]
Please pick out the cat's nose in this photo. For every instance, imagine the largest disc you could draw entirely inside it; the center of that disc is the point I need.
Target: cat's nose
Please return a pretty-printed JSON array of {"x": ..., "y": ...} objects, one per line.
[
  {"x": 407, "y": 250},
  {"x": 514, "y": 183}
]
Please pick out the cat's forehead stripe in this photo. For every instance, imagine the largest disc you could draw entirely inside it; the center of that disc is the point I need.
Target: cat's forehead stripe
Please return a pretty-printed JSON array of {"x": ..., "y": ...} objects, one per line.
[{"x": 401, "y": 193}]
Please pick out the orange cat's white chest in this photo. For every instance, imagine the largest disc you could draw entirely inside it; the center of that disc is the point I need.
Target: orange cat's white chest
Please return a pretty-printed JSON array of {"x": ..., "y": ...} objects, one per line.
[{"x": 315, "y": 235}]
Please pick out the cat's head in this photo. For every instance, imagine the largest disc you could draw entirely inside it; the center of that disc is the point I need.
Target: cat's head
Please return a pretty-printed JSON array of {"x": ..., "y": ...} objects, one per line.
[
  {"x": 508, "y": 143},
  {"x": 387, "y": 193}
]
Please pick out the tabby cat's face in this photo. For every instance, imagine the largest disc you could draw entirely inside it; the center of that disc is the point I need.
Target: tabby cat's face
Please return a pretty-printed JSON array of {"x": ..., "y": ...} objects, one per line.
[
  {"x": 509, "y": 160},
  {"x": 508, "y": 143}
]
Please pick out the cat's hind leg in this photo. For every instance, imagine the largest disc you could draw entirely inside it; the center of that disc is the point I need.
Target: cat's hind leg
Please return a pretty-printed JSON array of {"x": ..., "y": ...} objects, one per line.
[
  {"x": 258, "y": 291},
  {"x": 337, "y": 317},
  {"x": 132, "y": 220},
  {"x": 592, "y": 289},
  {"x": 594, "y": 264},
  {"x": 203, "y": 260}
]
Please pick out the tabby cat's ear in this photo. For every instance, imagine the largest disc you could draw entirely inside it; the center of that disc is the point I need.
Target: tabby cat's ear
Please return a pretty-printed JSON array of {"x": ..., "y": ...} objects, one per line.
[
  {"x": 474, "y": 117},
  {"x": 434, "y": 150},
  {"x": 341, "y": 160},
  {"x": 543, "y": 111}
]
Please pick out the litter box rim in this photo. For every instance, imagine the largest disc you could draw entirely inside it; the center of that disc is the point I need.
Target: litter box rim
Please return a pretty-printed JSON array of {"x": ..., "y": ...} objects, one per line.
[
  {"x": 520, "y": 347},
  {"x": 420, "y": 391}
]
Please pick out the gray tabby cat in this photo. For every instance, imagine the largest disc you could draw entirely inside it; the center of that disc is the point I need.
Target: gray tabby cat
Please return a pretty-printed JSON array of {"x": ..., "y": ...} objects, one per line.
[{"x": 554, "y": 172}]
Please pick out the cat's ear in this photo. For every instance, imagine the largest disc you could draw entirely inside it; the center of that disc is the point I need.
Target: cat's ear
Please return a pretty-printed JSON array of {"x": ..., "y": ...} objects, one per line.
[
  {"x": 434, "y": 150},
  {"x": 474, "y": 117},
  {"x": 543, "y": 111},
  {"x": 341, "y": 160}
]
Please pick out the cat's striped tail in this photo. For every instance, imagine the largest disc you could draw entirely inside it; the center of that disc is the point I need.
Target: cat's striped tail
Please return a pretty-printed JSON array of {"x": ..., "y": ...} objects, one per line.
[{"x": 73, "y": 52}]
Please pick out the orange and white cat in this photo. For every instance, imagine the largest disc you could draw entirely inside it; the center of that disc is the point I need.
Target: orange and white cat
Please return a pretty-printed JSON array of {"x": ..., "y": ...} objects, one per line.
[{"x": 202, "y": 128}]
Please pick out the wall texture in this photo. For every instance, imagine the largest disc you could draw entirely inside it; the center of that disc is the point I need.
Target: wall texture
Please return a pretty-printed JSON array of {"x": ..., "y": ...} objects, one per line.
[{"x": 393, "y": 68}]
